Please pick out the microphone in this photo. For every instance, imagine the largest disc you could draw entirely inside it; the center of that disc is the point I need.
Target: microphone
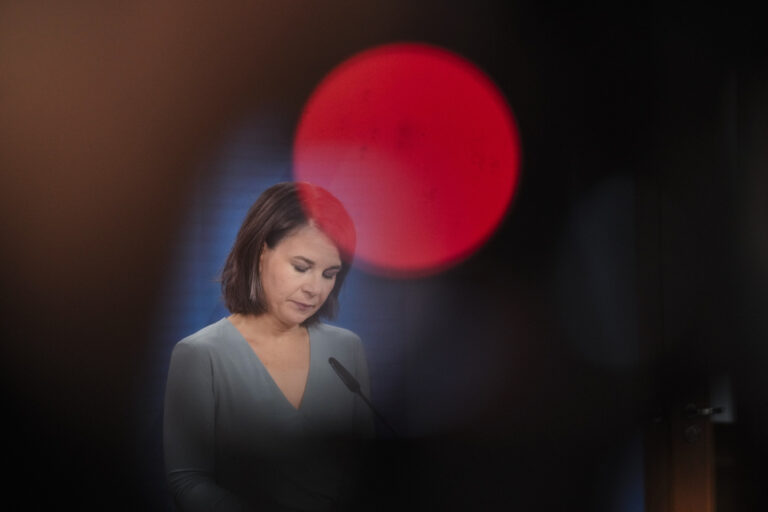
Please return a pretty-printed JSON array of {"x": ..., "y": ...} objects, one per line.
[
  {"x": 354, "y": 387},
  {"x": 345, "y": 376}
]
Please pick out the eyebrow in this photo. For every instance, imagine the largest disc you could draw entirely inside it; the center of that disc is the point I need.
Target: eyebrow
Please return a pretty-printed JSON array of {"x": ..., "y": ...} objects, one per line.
[{"x": 310, "y": 262}]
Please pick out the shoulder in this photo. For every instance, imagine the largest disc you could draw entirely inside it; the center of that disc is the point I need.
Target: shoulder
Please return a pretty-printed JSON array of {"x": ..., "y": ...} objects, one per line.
[
  {"x": 336, "y": 336},
  {"x": 206, "y": 340}
]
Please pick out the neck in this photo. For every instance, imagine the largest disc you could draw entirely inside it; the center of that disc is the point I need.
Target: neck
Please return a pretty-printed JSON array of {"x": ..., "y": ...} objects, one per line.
[{"x": 264, "y": 326}]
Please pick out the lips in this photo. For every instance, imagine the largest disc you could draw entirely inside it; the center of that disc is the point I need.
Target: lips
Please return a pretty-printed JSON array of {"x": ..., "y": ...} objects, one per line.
[{"x": 302, "y": 305}]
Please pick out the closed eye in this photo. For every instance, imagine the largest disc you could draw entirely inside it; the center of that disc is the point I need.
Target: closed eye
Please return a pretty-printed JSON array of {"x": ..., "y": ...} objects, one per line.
[{"x": 300, "y": 268}]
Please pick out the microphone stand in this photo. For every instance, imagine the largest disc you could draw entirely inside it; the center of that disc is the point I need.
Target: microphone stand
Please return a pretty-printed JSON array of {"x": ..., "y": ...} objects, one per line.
[{"x": 354, "y": 386}]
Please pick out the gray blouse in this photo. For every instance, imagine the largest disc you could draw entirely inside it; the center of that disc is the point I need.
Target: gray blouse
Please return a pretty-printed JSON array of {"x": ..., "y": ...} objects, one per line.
[{"x": 233, "y": 441}]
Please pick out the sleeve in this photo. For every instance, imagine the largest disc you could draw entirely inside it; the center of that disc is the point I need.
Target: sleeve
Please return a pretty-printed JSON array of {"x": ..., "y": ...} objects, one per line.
[
  {"x": 363, "y": 414},
  {"x": 188, "y": 433}
]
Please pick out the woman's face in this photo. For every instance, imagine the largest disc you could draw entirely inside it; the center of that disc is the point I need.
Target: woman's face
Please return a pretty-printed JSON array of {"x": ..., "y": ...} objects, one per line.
[{"x": 298, "y": 274}]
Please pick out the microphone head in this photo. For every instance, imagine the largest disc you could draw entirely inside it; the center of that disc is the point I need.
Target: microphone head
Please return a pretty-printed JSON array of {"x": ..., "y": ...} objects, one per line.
[{"x": 344, "y": 375}]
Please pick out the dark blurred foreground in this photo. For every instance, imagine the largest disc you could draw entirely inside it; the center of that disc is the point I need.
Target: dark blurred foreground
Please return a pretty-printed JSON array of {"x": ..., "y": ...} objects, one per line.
[{"x": 632, "y": 264}]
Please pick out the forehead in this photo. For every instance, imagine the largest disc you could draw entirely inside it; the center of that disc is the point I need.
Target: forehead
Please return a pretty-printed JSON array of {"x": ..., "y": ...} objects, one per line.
[{"x": 310, "y": 242}]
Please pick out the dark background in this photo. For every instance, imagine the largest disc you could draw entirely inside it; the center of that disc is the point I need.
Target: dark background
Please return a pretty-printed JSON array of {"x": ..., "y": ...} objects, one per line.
[{"x": 631, "y": 267}]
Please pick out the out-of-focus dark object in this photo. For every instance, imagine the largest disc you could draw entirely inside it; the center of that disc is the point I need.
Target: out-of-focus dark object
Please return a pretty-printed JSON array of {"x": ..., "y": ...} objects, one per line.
[{"x": 106, "y": 109}]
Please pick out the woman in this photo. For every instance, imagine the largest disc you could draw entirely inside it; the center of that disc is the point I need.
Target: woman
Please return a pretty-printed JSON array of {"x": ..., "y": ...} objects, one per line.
[{"x": 249, "y": 397}]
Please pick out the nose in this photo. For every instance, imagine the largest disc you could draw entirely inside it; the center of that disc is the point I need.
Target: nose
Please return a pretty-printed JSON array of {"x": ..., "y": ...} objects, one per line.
[{"x": 311, "y": 285}]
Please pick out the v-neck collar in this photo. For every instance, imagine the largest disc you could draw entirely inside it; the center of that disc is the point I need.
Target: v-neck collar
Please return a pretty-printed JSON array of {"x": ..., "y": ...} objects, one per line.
[{"x": 241, "y": 339}]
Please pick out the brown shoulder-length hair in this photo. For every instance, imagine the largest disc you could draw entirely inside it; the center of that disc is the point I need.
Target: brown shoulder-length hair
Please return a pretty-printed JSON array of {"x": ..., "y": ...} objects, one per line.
[{"x": 279, "y": 211}]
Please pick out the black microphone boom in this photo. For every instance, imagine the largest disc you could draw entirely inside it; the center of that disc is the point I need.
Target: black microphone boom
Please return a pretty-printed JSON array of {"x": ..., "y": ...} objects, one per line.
[
  {"x": 345, "y": 376},
  {"x": 354, "y": 387}
]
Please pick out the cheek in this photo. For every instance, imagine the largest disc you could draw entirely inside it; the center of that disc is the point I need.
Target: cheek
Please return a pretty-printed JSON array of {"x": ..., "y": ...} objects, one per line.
[
  {"x": 327, "y": 289},
  {"x": 274, "y": 283}
]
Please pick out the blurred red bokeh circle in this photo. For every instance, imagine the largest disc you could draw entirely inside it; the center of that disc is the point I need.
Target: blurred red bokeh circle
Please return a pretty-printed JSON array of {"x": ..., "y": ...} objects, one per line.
[{"x": 421, "y": 148}]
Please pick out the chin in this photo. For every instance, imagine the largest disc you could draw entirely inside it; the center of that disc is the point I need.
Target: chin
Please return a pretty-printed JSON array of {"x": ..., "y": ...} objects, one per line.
[
  {"x": 304, "y": 319},
  {"x": 297, "y": 319}
]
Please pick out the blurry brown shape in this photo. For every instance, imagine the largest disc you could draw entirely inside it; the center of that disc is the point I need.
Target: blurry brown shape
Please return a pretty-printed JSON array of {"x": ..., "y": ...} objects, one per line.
[
  {"x": 106, "y": 110},
  {"x": 680, "y": 464}
]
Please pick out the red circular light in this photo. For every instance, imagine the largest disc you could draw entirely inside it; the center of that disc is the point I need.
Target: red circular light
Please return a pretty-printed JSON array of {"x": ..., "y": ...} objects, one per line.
[{"x": 421, "y": 148}]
